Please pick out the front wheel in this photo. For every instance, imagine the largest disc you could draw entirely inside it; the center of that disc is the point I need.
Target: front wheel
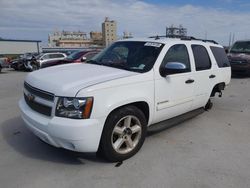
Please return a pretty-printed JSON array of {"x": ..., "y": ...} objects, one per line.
[{"x": 124, "y": 133}]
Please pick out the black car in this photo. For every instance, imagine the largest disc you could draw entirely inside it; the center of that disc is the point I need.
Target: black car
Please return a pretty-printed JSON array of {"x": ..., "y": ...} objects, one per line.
[
  {"x": 24, "y": 62},
  {"x": 239, "y": 57}
]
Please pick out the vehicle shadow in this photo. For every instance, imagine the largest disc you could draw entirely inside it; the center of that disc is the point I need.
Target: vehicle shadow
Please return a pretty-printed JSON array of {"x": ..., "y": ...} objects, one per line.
[
  {"x": 16, "y": 135},
  {"x": 239, "y": 76},
  {"x": 3, "y": 72}
]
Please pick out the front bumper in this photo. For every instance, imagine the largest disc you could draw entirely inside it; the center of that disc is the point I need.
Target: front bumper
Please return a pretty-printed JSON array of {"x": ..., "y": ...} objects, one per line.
[
  {"x": 76, "y": 135},
  {"x": 240, "y": 68}
]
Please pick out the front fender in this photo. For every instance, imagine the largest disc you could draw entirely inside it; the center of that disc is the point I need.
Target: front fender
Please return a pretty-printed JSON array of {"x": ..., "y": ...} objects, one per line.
[{"x": 108, "y": 99}]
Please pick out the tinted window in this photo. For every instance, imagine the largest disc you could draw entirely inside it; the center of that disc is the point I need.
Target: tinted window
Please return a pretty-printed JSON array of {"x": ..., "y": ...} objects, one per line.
[
  {"x": 177, "y": 53},
  {"x": 45, "y": 57},
  {"x": 76, "y": 55},
  {"x": 52, "y": 56},
  {"x": 58, "y": 55},
  {"x": 201, "y": 57},
  {"x": 220, "y": 56},
  {"x": 90, "y": 55}
]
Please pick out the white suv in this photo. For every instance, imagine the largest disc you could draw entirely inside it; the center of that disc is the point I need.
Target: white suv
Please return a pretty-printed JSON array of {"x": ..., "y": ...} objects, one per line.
[{"x": 108, "y": 103}]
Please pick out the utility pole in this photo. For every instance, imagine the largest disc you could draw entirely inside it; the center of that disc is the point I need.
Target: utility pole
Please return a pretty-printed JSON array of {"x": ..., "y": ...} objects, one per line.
[
  {"x": 230, "y": 38},
  {"x": 233, "y": 38}
]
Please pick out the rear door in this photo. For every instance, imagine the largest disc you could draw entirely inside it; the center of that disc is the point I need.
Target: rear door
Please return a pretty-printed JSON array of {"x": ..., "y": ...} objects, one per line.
[{"x": 205, "y": 77}]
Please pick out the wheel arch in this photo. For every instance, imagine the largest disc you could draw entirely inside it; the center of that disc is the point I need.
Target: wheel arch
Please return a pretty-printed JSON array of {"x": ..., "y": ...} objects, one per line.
[
  {"x": 218, "y": 88},
  {"x": 142, "y": 105}
]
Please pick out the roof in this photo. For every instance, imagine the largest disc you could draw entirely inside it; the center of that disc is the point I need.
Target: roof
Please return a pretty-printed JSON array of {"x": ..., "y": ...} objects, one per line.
[
  {"x": 166, "y": 40},
  {"x": 14, "y": 40}
]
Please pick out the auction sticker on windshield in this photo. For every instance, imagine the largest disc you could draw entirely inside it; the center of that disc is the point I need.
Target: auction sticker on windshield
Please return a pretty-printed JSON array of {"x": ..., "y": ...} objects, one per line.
[{"x": 153, "y": 44}]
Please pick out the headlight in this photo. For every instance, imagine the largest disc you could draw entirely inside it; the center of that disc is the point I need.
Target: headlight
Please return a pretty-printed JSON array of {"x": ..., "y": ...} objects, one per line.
[{"x": 75, "y": 108}]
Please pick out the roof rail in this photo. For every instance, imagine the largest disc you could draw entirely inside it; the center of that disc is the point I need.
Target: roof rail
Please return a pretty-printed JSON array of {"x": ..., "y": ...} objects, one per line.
[{"x": 157, "y": 37}]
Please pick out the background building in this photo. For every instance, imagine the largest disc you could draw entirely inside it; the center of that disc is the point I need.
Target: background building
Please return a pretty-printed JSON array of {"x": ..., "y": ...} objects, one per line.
[
  {"x": 109, "y": 29},
  {"x": 176, "y": 31},
  {"x": 72, "y": 39},
  {"x": 96, "y": 38},
  {"x": 14, "y": 47}
]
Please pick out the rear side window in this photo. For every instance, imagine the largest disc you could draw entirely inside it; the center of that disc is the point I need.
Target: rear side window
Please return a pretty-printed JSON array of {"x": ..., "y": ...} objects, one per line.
[
  {"x": 45, "y": 57},
  {"x": 52, "y": 56},
  {"x": 220, "y": 56},
  {"x": 201, "y": 57}
]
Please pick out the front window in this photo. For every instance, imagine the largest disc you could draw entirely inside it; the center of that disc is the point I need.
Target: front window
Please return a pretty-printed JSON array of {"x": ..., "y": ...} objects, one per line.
[
  {"x": 241, "y": 47},
  {"x": 129, "y": 55}
]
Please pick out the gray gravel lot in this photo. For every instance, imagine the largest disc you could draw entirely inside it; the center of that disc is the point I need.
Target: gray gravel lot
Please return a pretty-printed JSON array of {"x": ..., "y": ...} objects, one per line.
[{"x": 211, "y": 150}]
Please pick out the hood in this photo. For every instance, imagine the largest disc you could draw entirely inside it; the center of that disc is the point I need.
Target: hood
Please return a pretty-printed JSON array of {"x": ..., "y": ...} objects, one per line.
[{"x": 67, "y": 80}]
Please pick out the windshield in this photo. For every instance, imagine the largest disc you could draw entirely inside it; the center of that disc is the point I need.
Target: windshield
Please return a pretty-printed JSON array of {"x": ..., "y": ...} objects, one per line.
[
  {"x": 129, "y": 55},
  {"x": 241, "y": 47},
  {"x": 75, "y": 55}
]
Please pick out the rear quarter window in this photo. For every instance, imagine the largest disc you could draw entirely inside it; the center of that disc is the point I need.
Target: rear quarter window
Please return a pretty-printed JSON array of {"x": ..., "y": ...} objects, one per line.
[{"x": 220, "y": 56}]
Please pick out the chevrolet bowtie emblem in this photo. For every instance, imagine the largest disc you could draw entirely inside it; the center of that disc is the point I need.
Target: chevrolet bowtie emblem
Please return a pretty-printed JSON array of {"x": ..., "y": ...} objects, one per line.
[{"x": 31, "y": 97}]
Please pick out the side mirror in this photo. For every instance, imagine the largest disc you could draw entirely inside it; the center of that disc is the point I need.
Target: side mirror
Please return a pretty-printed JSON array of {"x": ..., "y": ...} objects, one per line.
[
  {"x": 83, "y": 59},
  {"x": 173, "y": 68}
]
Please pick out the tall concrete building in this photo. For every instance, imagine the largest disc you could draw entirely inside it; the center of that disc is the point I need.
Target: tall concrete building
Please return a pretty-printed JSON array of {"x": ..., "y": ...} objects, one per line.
[{"x": 109, "y": 31}]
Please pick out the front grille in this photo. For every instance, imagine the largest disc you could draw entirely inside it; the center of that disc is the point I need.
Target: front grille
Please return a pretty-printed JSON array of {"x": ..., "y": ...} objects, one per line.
[
  {"x": 40, "y": 108},
  {"x": 40, "y": 93}
]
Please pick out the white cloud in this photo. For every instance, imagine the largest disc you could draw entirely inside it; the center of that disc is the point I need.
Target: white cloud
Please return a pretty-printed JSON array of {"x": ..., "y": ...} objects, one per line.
[{"x": 35, "y": 18}]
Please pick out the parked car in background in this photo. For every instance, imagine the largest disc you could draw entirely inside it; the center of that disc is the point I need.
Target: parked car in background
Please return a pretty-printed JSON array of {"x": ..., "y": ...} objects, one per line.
[
  {"x": 239, "y": 57},
  {"x": 24, "y": 62},
  {"x": 76, "y": 57},
  {"x": 4, "y": 62},
  {"x": 45, "y": 57}
]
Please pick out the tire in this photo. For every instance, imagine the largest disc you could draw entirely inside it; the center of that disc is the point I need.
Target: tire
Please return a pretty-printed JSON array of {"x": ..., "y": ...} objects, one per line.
[{"x": 123, "y": 134}]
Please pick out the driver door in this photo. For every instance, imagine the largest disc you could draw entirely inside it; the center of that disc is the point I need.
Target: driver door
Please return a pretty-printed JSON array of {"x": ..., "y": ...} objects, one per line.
[{"x": 174, "y": 93}]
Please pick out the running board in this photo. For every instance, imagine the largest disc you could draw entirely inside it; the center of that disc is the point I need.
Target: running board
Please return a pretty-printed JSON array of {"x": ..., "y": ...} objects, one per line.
[{"x": 158, "y": 127}]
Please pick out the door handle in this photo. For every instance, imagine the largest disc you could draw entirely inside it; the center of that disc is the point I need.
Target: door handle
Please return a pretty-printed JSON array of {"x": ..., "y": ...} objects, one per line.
[
  {"x": 189, "y": 81},
  {"x": 212, "y": 76}
]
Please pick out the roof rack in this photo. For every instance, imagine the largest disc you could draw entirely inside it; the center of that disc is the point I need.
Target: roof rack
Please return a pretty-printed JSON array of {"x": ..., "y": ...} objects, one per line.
[{"x": 157, "y": 37}]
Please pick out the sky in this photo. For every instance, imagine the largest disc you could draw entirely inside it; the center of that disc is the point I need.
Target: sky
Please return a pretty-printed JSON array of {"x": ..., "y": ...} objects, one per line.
[{"x": 213, "y": 19}]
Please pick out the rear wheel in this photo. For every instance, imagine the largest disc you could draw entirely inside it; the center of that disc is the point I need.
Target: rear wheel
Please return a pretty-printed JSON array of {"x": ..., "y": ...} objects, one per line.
[{"x": 124, "y": 133}]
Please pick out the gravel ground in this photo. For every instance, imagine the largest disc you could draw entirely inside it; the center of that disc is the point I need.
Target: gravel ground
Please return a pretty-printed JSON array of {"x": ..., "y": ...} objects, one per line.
[{"x": 211, "y": 150}]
